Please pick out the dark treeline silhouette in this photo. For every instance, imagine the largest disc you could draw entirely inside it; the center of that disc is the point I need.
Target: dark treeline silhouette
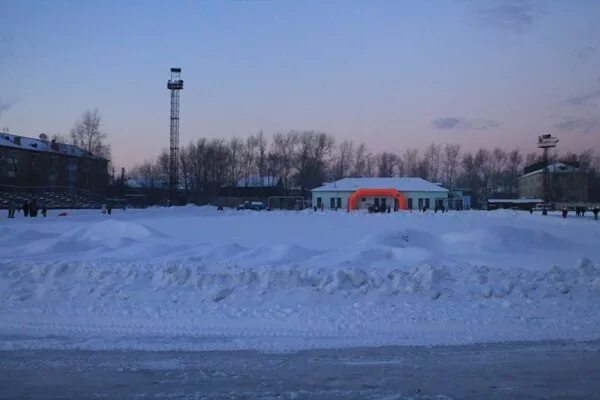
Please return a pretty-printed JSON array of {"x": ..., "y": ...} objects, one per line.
[{"x": 304, "y": 160}]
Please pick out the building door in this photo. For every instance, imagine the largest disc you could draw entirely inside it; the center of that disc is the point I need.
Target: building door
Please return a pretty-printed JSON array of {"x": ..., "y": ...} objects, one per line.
[
  {"x": 427, "y": 203},
  {"x": 439, "y": 203},
  {"x": 410, "y": 204},
  {"x": 420, "y": 204},
  {"x": 376, "y": 202},
  {"x": 383, "y": 203},
  {"x": 319, "y": 202},
  {"x": 339, "y": 202},
  {"x": 332, "y": 202}
]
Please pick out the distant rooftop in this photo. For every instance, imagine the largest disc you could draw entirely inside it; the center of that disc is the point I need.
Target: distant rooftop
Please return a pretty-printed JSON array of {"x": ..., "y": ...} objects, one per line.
[
  {"x": 400, "y": 184},
  {"x": 515, "y": 201},
  {"x": 554, "y": 168},
  {"x": 41, "y": 145},
  {"x": 258, "y": 181}
]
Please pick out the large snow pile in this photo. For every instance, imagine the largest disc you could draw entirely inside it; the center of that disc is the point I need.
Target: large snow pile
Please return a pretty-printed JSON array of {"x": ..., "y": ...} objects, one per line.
[{"x": 197, "y": 278}]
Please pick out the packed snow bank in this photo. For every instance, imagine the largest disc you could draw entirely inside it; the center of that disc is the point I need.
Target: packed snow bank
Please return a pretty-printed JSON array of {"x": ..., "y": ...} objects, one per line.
[{"x": 196, "y": 278}]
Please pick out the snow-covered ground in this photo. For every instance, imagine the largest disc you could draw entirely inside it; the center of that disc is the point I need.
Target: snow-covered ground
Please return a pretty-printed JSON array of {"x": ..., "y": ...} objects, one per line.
[{"x": 194, "y": 278}]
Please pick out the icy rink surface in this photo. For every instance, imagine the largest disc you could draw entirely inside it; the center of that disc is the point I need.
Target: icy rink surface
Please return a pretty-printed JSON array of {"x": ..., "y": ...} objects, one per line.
[{"x": 194, "y": 278}]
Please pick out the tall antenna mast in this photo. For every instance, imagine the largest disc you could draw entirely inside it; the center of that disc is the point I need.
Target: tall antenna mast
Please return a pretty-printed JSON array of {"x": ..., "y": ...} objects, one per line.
[
  {"x": 546, "y": 142},
  {"x": 175, "y": 84}
]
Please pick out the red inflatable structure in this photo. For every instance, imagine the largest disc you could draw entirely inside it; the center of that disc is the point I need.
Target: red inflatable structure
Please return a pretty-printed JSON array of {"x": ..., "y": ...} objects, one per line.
[{"x": 359, "y": 193}]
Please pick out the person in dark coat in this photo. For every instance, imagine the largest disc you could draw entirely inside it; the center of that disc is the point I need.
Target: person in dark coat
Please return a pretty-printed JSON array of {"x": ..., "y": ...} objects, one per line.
[
  {"x": 26, "y": 209},
  {"x": 109, "y": 207},
  {"x": 33, "y": 209},
  {"x": 595, "y": 211},
  {"x": 565, "y": 212},
  {"x": 11, "y": 210},
  {"x": 44, "y": 209}
]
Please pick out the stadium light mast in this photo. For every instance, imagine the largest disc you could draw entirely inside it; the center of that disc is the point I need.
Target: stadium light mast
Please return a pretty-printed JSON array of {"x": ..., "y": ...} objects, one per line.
[
  {"x": 175, "y": 84},
  {"x": 546, "y": 142}
]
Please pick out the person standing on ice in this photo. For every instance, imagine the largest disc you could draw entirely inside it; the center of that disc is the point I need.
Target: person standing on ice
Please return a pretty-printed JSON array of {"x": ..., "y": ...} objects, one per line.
[
  {"x": 44, "y": 209},
  {"x": 595, "y": 211},
  {"x": 565, "y": 212},
  {"x": 33, "y": 208},
  {"x": 11, "y": 210},
  {"x": 26, "y": 208}
]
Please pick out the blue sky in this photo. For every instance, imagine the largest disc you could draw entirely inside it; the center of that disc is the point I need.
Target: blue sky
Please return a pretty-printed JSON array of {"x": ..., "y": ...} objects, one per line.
[{"x": 390, "y": 73}]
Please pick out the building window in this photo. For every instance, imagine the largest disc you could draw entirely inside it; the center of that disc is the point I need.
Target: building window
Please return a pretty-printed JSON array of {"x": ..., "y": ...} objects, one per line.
[
  {"x": 339, "y": 202},
  {"x": 319, "y": 202},
  {"x": 332, "y": 202},
  {"x": 363, "y": 199}
]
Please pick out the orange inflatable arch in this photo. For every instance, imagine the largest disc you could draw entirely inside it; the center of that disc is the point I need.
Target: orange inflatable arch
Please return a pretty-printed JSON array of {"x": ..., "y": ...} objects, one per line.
[{"x": 357, "y": 194}]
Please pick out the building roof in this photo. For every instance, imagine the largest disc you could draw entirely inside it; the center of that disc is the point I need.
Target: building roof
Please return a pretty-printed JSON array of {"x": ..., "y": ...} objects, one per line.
[
  {"x": 258, "y": 181},
  {"x": 400, "y": 184},
  {"x": 45, "y": 146},
  {"x": 556, "y": 168},
  {"x": 515, "y": 201}
]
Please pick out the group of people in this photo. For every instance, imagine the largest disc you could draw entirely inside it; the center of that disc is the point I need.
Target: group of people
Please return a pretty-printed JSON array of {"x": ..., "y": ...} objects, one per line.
[
  {"x": 580, "y": 212},
  {"x": 30, "y": 208}
]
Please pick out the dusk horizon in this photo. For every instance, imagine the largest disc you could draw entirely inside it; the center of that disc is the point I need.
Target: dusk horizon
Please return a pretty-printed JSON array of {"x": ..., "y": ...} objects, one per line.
[{"x": 390, "y": 75}]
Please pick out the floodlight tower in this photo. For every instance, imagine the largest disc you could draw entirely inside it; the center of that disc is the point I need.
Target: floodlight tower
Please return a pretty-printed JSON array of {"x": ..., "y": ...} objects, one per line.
[
  {"x": 175, "y": 84},
  {"x": 546, "y": 142}
]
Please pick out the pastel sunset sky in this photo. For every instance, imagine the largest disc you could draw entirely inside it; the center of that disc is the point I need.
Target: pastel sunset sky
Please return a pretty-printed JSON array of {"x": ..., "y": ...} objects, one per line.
[{"x": 391, "y": 74}]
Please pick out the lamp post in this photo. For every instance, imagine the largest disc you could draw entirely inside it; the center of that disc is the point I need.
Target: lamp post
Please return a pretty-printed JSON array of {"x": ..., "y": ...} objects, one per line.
[{"x": 546, "y": 142}]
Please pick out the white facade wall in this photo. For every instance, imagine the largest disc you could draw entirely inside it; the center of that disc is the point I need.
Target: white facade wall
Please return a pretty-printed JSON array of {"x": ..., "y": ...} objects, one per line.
[{"x": 418, "y": 199}]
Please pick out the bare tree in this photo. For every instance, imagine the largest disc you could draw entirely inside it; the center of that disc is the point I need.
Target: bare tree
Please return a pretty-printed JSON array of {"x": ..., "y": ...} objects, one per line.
[
  {"x": 148, "y": 175},
  {"x": 385, "y": 164},
  {"x": 411, "y": 162},
  {"x": 261, "y": 157},
  {"x": 313, "y": 147},
  {"x": 86, "y": 134},
  {"x": 284, "y": 148},
  {"x": 235, "y": 167},
  {"x": 433, "y": 160},
  {"x": 343, "y": 160},
  {"x": 514, "y": 165},
  {"x": 450, "y": 161},
  {"x": 498, "y": 162},
  {"x": 360, "y": 161},
  {"x": 249, "y": 158}
]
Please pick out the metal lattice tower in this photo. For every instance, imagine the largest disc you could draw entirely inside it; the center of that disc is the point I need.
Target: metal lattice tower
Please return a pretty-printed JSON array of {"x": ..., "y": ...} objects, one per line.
[
  {"x": 546, "y": 142},
  {"x": 175, "y": 84}
]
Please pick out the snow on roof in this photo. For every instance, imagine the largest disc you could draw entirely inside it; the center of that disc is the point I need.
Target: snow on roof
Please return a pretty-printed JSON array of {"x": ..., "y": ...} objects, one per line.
[
  {"x": 515, "y": 201},
  {"x": 26, "y": 143},
  {"x": 258, "y": 181},
  {"x": 554, "y": 168},
  {"x": 400, "y": 184}
]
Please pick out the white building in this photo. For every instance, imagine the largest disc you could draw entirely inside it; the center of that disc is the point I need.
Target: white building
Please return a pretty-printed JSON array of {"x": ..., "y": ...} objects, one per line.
[{"x": 361, "y": 193}]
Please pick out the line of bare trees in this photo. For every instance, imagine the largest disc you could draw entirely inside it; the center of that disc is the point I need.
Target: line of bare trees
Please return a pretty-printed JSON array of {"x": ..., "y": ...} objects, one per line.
[{"x": 305, "y": 160}]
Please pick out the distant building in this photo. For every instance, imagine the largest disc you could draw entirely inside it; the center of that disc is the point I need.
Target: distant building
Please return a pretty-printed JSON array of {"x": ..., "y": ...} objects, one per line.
[
  {"x": 521, "y": 204},
  {"x": 459, "y": 199},
  {"x": 29, "y": 162},
  {"x": 362, "y": 193},
  {"x": 567, "y": 183}
]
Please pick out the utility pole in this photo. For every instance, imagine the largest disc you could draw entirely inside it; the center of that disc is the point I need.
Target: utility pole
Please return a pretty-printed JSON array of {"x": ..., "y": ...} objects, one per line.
[
  {"x": 546, "y": 142},
  {"x": 175, "y": 84}
]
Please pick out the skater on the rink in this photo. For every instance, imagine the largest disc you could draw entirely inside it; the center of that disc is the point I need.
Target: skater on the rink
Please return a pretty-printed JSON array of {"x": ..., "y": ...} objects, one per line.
[
  {"x": 565, "y": 212},
  {"x": 26, "y": 208},
  {"x": 595, "y": 211}
]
